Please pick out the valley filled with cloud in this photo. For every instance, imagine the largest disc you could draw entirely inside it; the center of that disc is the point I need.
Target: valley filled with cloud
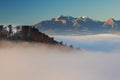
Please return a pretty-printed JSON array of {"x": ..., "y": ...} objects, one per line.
[{"x": 97, "y": 59}]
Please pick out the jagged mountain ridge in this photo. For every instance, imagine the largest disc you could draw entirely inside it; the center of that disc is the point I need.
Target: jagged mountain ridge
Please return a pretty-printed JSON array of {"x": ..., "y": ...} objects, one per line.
[{"x": 79, "y": 25}]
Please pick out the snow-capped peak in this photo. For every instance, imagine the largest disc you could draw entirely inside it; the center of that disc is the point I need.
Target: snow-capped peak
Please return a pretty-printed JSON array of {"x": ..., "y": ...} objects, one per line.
[
  {"x": 85, "y": 17},
  {"x": 68, "y": 18}
]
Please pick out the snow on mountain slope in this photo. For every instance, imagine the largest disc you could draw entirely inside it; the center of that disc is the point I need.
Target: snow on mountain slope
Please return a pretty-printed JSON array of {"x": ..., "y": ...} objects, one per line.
[{"x": 78, "y": 25}]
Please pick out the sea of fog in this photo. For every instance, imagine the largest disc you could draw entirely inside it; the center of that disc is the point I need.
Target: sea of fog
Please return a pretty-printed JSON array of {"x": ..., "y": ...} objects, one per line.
[
  {"x": 34, "y": 61},
  {"x": 100, "y": 42}
]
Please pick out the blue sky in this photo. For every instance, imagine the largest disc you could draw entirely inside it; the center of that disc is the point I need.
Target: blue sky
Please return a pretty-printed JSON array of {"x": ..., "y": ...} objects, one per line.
[{"x": 34, "y": 11}]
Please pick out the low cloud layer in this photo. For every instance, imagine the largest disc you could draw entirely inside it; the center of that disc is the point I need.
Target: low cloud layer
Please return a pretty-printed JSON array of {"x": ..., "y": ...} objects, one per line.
[
  {"x": 26, "y": 61},
  {"x": 100, "y": 42}
]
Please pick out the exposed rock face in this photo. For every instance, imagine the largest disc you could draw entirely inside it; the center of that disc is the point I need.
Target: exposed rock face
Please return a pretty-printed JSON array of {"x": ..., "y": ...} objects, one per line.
[
  {"x": 110, "y": 22},
  {"x": 67, "y": 25}
]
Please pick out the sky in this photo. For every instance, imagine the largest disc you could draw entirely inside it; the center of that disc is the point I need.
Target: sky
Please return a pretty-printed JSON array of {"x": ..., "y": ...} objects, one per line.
[{"x": 33, "y": 11}]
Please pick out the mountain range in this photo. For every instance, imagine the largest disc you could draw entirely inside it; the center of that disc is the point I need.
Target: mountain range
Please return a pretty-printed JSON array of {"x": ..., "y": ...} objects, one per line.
[{"x": 69, "y": 25}]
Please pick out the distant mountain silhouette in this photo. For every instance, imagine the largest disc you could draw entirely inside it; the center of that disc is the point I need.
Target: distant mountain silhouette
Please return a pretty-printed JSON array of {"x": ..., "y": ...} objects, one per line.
[{"x": 80, "y": 25}]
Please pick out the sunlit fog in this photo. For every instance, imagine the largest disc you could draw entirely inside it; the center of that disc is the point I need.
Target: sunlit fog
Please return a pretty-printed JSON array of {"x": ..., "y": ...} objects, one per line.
[{"x": 34, "y": 61}]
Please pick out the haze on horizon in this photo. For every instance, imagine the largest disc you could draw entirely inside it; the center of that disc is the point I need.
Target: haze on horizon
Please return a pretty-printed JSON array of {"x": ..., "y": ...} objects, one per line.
[{"x": 34, "y": 11}]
